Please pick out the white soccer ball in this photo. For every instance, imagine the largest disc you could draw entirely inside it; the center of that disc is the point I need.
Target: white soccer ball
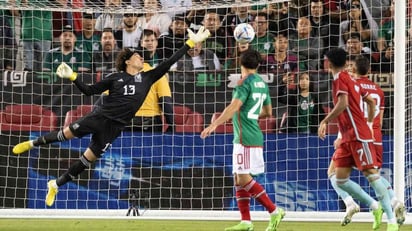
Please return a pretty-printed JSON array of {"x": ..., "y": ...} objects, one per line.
[{"x": 244, "y": 33}]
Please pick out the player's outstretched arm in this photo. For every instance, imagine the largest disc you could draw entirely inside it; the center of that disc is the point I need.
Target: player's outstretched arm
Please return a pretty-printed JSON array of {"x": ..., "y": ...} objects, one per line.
[
  {"x": 340, "y": 106},
  {"x": 227, "y": 114},
  {"x": 64, "y": 71},
  {"x": 201, "y": 35}
]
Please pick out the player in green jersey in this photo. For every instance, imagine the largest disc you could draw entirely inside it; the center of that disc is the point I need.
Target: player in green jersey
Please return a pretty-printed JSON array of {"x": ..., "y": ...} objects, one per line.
[{"x": 250, "y": 101}]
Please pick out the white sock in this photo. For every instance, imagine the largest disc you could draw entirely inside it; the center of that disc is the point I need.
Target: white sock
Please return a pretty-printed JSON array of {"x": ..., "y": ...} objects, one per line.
[
  {"x": 349, "y": 201},
  {"x": 374, "y": 205}
]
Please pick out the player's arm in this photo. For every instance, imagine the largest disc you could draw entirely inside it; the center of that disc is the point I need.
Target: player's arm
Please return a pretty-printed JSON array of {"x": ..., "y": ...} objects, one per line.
[
  {"x": 339, "y": 107},
  {"x": 66, "y": 72},
  {"x": 266, "y": 111},
  {"x": 381, "y": 117},
  {"x": 371, "y": 107},
  {"x": 164, "y": 67},
  {"x": 227, "y": 114},
  {"x": 166, "y": 103}
]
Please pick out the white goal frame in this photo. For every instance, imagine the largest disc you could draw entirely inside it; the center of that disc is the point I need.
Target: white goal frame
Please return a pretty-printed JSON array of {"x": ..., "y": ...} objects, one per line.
[{"x": 399, "y": 166}]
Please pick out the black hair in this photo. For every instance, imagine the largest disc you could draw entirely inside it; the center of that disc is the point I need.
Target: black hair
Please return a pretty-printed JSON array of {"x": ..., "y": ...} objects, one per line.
[
  {"x": 250, "y": 59},
  {"x": 337, "y": 57},
  {"x": 107, "y": 29},
  {"x": 261, "y": 14},
  {"x": 362, "y": 65},
  {"x": 148, "y": 32},
  {"x": 125, "y": 55}
]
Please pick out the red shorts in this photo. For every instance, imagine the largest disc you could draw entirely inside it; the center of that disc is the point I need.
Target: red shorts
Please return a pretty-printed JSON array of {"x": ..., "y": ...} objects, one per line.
[
  {"x": 379, "y": 155},
  {"x": 356, "y": 153}
]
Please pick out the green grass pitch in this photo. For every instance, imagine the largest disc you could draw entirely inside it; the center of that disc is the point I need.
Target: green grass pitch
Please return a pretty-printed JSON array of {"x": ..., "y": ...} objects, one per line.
[{"x": 168, "y": 225}]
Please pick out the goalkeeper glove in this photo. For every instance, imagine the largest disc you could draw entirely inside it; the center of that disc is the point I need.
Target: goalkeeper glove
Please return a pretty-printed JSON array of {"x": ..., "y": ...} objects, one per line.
[
  {"x": 65, "y": 71},
  {"x": 201, "y": 35}
]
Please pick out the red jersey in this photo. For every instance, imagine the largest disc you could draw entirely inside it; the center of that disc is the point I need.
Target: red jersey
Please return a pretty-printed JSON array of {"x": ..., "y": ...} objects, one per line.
[
  {"x": 377, "y": 94},
  {"x": 352, "y": 122}
]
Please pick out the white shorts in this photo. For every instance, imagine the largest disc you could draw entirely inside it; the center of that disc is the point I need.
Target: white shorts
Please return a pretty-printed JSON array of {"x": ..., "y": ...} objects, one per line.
[{"x": 247, "y": 160}]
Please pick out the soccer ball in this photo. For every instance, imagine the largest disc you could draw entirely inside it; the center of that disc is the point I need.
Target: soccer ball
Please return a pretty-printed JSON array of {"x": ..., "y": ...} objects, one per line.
[{"x": 244, "y": 33}]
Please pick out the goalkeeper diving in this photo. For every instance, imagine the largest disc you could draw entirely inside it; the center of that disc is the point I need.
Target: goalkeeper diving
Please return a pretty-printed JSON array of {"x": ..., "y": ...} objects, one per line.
[{"x": 128, "y": 89}]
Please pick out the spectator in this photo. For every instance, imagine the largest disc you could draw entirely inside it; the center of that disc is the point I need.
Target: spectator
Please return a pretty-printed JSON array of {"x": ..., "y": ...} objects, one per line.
[
  {"x": 361, "y": 21},
  {"x": 36, "y": 35},
  {"x": 8, "y": 45},
  {"x": 322, "y": 27},
  {"x": 279, "y": 20},
  {"x": 66, "y": 52},
  {"x": 170, "y": 42},
  {"x": 241, "y": 15},
  {"x": 219, "y": 42},
  {"x": 151, "y": 19},
  {"x": 88, "y": 40},
  {"x": 105, "y": 60},
  {"x": 232, "y": 63},
  {"x": 60, "y": 19},
  {"x": 304, "y": 111},
  {"x": 173, "y": 7},
  {"x": 386, "y": 61},
  {"x": 377, "y": 8},
  {"x": 307, "y": 48},
  {"x": 263, "y": 38},
  {"x": 110, "y": 20},
  {"x": 354, "y": 45},
  {"x": 196, "y": 15},
  {"x": 281, "y": 61},
  {"x": 129, "y": 36},
  {"x": 158, "y": 102},
  {"x": 149, "y": 44},
  {"x": 336, "y": 10},
  {"x": 198, "y": 59},
  {"x": 386, "y": 31}
]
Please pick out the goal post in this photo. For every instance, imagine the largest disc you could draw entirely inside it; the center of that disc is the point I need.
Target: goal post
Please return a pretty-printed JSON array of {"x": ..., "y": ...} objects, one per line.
[
  {"x": 401, "y": 96},
  {"x": 177, "y": 174}
]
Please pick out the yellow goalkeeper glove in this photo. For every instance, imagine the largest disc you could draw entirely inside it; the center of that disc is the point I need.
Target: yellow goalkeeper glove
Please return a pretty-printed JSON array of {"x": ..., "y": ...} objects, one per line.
[
  {"x": 65, "y": 71},
  {"x": 201, "y": 35}
]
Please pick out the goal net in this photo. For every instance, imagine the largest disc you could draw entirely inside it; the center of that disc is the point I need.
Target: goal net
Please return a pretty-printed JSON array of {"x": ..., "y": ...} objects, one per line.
[{"x": 177, "y": 170}]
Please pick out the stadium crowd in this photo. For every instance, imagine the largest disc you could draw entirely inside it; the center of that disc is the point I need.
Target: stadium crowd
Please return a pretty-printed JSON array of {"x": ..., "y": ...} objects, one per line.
[{"x": 292, "y": 37}]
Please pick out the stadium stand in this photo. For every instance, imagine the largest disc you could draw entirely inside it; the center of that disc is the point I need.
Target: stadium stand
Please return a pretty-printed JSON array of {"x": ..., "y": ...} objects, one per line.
[{"x": 27, "y": 117}]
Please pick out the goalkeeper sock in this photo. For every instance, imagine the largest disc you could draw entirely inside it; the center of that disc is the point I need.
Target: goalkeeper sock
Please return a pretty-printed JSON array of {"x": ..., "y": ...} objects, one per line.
[
  {"x": 50, "y": 138},
  {"x": 259, "y": 193},
  {"x": 243, "y": 203},
  {"x": 74, "y": 170}
]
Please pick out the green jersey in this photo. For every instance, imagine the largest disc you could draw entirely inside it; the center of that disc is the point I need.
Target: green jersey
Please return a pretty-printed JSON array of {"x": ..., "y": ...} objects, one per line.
[
  {"x": 305, "y": 110},
  {"x": 75, "y": 60},
  {"x": 254, "y": 93}
]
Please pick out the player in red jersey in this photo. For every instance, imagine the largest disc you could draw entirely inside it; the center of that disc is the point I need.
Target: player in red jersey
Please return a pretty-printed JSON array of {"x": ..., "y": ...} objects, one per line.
[
  {"x": 356, "y": 148},
  {"x": 362, "y": 65},
  {"x": 351, "y": 206}
]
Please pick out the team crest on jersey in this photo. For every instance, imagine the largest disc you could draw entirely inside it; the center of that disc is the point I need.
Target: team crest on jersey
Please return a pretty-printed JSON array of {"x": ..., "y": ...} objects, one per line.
[
  {"x": 357, "y": 88},
  {"x": 75, "y": 126},
  {"x": 138, "y": 78}
]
